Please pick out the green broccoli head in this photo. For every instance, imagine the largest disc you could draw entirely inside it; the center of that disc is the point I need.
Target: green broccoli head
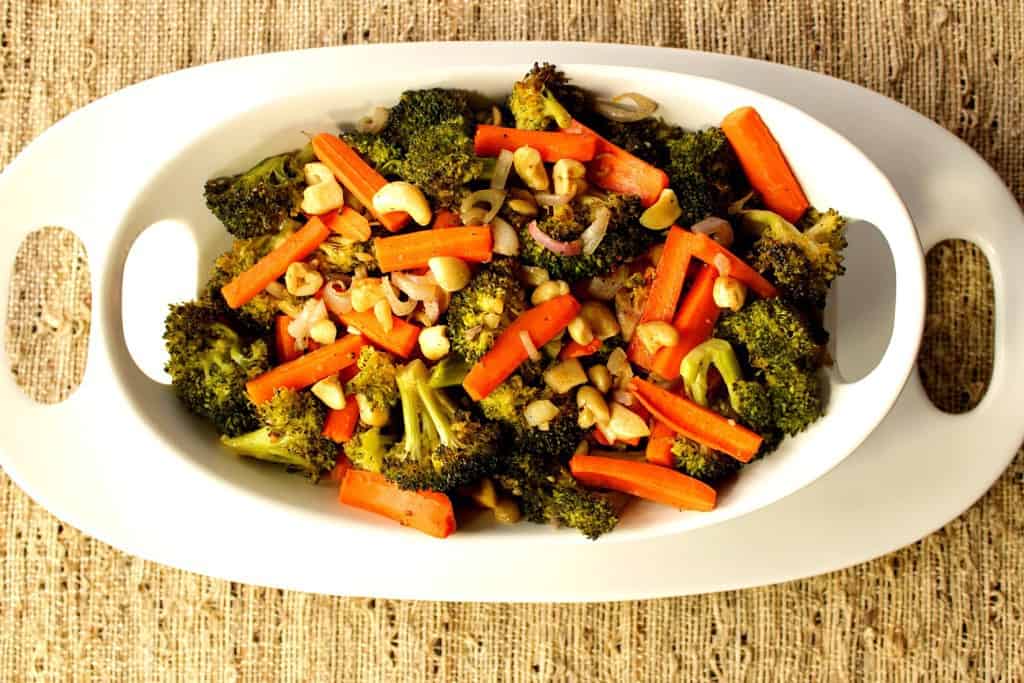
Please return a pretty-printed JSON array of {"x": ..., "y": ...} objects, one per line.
[
  {"x": 547, "y": 493},
  {"x": 376, "y": 379},
  {"x": 257, "y": 201},
  {"x": 624, "y": 240},
  {"x": 210, "y": 363},
  {"x": 704, "y": 173},
  {"x": 368, "y": 448},
  {"x": 780, "y": 351},
  {"x": 506, "y": 405},
  {"x": 291, "y": 434},
  {"x": 700, "y": 462},
  {"x": 480, "y": 312},
  {"x": 534, "y": 103},
  {"x": 339, "y": 255},
  {"x": 442, "y": 447},
  {"x": 802, "y": 263},
  {"x": 645, "y": 139},
  {"x": 427, "y": 141},
  {"x": 258, "y": 314}
]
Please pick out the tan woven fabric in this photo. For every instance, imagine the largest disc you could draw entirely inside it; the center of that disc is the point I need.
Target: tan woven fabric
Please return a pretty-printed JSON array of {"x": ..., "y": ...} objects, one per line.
[{"x": 950, "y": 607}]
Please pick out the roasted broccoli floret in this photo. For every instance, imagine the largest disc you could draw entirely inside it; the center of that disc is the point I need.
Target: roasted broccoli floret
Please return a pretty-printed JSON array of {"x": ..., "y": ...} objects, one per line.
[
  {"x": 376, "y": 379},
  {"x": 802, "y": 263},
  {"x": 368, "y": 448},
  {"x": 624, "y": 239},
  {"x": 547, "y": 493},
  {"x": 290, "y": 435},
  {"x": 704, "y": 173},
  {"x": 506, "y": 404},
  {"x": 442, "y": 447},
  {"x": 256, "y": 202},
  {"x": 259, "y": 313},
  {"x": 701, "y": 462},
  {"x": 478, "y": 313},
  {"x": 533, "y": 102},
  {"x": 645, "y": 138},
  {"x": 427, "y": 141},
  {"x": 210, "y": 363},
  {"x": 339, "y": 255},
  {"x": 450, "y": 371},
  {"x": 779, "y": 349}
]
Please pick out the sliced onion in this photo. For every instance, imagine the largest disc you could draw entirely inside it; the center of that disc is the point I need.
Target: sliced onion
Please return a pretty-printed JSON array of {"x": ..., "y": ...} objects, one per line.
[
  {"x": 595, "y": 232},
  {"x": 615, "y": 109},
  {"x": 531, "y": 348},
  {"x": 722, "y": 265},
  {"x": 338, "y": 301},
  {"x": 551, "y": 199},
  {"x": 375, "y": 122},
  {"x": 417, "y": 287},
  {"x": 506, "y": 241},
  {"x": 717, "y": 229},
  {"x": 502, "y": 167},
  {"x": 313, "y": 311},
  {"x": 474, "y": 216},
  {"x": 432, "y": 311},
  {"x": 398, "y": 307},
  {"x": 382, "y": 312},
  {"x": 572, "y": 248},
  {"x": 492, "y": 197}
]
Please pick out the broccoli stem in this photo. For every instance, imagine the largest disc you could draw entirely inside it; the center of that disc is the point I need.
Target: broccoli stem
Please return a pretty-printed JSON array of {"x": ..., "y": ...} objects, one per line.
[{"x": 695, "y": 366}]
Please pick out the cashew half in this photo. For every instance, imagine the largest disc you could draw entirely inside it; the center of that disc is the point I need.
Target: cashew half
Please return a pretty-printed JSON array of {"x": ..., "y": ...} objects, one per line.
[
  {"x": 403, "y": 196},
  {"x": 324, "y": 193}
]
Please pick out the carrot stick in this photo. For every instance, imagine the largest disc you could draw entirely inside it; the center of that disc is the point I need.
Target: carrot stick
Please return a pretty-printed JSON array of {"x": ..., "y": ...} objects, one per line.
[
  {"x": 695, "y": 321},
  {"x": 707, "y": 250},
  {"x": 576, "y": 350},
  {"x": 400, "y": 339},
  {"x": 541, "y": 322},
  {"x": 643, "y": 480},
  {"x": 348, "y": 223},
  {"x": 764, "y": 163},
  {"x": 340, "y": 425},
  {"x": 306, "y": 370},
  {"x": 659, "y": 444},
  {"x": 356, "y": 175},
  {"x": 298, "y": 246},
  {"x": 615, "y": 169},
  {"x": 284, "y": 343},
  {"x": 446, "y": 219},
  {"x": 427, "y": 511},
  {"x": 415, "y": 249},
  {"x": 700, "y": 424},
  {"x": 552, "y": 145},
  {"x": 663, "y": 297}
]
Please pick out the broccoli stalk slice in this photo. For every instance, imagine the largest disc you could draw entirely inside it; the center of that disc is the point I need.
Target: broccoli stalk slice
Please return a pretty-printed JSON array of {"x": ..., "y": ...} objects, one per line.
[
  {"x": 695, "y": 366},
  {"x": 439, "y": 409},
  {"x": 265, "y": 444},
  {"x": 449, "y": 372},
  {"x": 420, "y": 433}
]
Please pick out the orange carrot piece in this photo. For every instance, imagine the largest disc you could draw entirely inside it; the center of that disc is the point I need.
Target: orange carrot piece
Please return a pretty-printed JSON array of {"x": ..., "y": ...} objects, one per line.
[
  {"x": 306, "y": 370},
  {"x": 700, "y": 424},
  {"x": 764, "y": 163},
  {"x": 695, "y": 321},
  {"x": 298, "y": 246},
  {"x": 643, "y": 480},
  {"x": 400, "y": 340},
  {"x": 446, "y": 219},
  {"x": 356, "y": 175},
  {"x": 415, "y": 249},
  {"x": 663, "y": 298},
  {"x": 615, "y": 169},
  {"x": 659, "y": 444},
  {"x": 541, "y": 322},
  {"x": 348, "y": 223},
  {"x": 284, "y": 343},
  {"x": 427, "y": 511},
  {"x": 576, "y": 350},
  {"x": 340, "y": 425},
  {"x": 707, "y": 250},
  {"x": 552, "y": 145}
]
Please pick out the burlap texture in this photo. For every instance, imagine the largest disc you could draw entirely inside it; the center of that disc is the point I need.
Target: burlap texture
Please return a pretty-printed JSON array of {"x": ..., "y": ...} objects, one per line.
[{"x": 947, "y": 608}]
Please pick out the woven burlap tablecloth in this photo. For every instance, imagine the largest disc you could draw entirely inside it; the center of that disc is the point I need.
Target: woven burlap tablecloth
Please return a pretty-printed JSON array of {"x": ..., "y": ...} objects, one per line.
[{"x": 946, "y": 608}]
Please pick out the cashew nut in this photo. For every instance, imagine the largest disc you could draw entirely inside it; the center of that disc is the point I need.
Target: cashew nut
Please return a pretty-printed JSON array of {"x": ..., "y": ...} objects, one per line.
[
  {"x": 729, "y": 292},
  {"x": 662, "y": 213},
  {"x": 323, "y": 193},
  {"x": 403, "y": 196},
  {"x": 530, "y": 167},
  {"x": 569, "y": 177},
  {"x": 301, "y": 280}
]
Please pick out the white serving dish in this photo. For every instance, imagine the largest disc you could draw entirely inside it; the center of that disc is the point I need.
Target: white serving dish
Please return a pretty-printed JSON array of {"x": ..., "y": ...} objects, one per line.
[{"x": 96, "y": 493}]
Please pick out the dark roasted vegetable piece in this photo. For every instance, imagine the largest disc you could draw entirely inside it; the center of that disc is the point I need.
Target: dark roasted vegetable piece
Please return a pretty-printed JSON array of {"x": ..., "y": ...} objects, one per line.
[
  {"x": 480, "y": 312},
  {"x": 257, "y": 201},
  {"x": 506, "y": 405},
  {"x": 210, "y": 363}
]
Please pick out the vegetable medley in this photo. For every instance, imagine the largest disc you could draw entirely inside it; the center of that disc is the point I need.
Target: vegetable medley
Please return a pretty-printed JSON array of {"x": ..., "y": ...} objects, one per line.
[{"x": 543, "y": 307}]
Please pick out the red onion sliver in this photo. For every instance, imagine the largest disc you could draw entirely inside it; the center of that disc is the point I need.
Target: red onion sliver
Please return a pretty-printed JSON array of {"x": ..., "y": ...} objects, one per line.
[
  {"x": 398, "y": 307},
  {"x": 531, "y": 348},
  {"x": 551, "y": 244},
  {"x": 338, "y": 301},
  {"x": 595, "y": 232},
  {"x": 716, "y": 228},
  {"x": 722, "y": 265}
]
